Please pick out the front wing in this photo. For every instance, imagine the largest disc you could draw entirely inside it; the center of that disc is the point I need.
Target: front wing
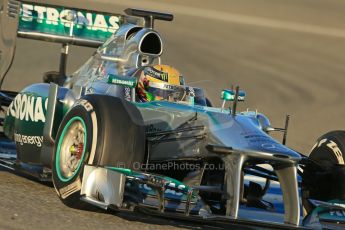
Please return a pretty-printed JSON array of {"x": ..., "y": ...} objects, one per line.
[{"x": 127, "y": 190}]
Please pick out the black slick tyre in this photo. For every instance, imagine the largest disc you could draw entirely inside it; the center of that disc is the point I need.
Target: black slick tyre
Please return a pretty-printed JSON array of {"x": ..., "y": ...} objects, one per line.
[
  {"x": 324, "y": 177},
  {"x": 98, "y": 130}
]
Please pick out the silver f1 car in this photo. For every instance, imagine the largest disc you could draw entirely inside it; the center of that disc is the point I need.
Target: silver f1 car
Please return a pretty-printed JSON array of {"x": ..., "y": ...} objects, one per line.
[{"x": 117, "y": 134}]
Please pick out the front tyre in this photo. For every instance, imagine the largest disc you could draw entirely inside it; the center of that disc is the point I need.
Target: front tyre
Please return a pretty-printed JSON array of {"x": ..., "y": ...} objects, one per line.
[
  {"x": 72, "y": 151},
  {"x": 324, "y": 177},
  {"x": 99, "y": 130}
]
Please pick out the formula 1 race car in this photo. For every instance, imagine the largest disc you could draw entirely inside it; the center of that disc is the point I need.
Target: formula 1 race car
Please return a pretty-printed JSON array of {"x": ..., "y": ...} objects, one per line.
[{"x": 125, "y": 132}]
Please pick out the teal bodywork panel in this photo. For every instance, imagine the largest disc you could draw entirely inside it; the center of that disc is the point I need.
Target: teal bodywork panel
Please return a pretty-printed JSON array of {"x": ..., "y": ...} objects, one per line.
[
  {"x": 26, "y": 117},
  {"x": 53, "y": 20}
]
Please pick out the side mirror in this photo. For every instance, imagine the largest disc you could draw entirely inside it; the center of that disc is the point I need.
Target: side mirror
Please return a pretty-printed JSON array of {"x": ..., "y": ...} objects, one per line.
[
  {"x": 265, "y": 123},
  {"x": 229, "y": 95}
]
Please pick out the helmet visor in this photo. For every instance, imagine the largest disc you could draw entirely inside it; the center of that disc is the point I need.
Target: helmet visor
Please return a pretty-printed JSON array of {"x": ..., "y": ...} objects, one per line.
[{"x": 163, "y": 91}]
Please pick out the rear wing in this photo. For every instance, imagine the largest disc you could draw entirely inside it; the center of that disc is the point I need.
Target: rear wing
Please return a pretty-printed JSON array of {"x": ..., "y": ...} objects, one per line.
[
  {"x": 62, "y": 24},
  {"x": 54, "y": 23}
]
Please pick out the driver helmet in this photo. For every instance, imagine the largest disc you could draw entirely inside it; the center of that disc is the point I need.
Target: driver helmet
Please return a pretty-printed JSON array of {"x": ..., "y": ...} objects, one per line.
[{"x": 160, "y": 82}]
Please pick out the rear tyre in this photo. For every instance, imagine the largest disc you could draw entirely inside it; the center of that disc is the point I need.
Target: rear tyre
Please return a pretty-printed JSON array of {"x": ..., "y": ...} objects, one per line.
[
  {"x": 98, "y": 130},
  {"x": 324, "y": 177}
]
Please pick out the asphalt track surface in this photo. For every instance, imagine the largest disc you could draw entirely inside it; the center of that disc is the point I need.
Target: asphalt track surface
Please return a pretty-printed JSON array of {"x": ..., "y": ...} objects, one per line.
[{"x": 287, "y": 55}]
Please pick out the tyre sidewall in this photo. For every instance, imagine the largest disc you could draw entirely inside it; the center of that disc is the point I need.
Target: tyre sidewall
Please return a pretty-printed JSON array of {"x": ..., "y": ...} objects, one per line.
[
  {"x": 69, "y": 191},
  {"x": 324, "y": 179},
  {"x": 115, "y": 134},
  {"x": 329, "y": 149}
]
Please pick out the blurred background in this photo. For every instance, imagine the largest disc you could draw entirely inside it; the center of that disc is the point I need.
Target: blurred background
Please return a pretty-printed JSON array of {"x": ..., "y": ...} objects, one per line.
[{"x": 288, "y": 55}]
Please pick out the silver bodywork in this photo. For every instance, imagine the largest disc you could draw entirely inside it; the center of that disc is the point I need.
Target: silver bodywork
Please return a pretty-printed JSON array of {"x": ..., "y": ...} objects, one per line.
[
  {"x": 103, "y": 187},
  {"x": 175, "y": 130},
  {"x": 236, "y": 139}
]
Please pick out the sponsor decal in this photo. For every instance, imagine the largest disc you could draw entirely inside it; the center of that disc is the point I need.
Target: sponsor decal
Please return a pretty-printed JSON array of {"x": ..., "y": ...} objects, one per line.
[
  {"x": 56, "y": 16},
  {"x": 128, "y": 96},
  {"x": 156, "y": 74},
  {"x": 338, "y": 213},
  {"x": 87, "y": 105},
  {"x": 28, "y": 108},
  {"x": 164, "y": 76},
  {"x": 190, "y": 91},
  {"x": 174, "y": 192},
  {"x": 151, "y": 128},
  {"x": 124, "y": 81},
  {"x": 259, "y": 138},
  {"x": 170, "y": 189},
  {"x": 337, "y": 152},
  {"x": 165, "y": 86},
  {"x": 70, "y": 189},
  {"x": 171, "y": 87},
  {"x": 30, "y": 140},
  {"x": 334, "y": 147},
  {"x": 56, "y": 20},
  {"x": 268, "y": 146},
  {"x": 318, "y": 144}
]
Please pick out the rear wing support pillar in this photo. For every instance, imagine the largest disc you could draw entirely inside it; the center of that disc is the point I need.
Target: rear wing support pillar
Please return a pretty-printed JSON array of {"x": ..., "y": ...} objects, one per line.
[{"x": 63, "y": 64}]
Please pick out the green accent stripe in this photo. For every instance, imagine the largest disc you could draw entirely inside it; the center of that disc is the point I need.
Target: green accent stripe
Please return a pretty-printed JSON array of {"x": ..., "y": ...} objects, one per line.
[
  {"x": 124, "y": 171},
  {"x": 58, "y": 151}
]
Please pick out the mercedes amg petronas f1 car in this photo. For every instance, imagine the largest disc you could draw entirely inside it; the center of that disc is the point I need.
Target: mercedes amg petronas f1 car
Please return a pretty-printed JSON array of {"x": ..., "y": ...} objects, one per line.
[{"x": 125, "y": 132}]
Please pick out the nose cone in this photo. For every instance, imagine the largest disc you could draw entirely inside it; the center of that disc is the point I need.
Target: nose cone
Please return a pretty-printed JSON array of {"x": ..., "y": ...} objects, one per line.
[{"x": 243, "y": 133}]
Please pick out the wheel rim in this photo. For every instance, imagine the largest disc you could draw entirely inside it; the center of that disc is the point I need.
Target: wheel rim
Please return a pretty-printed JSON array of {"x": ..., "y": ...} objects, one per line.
[{"x": 71, "y": 149}]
